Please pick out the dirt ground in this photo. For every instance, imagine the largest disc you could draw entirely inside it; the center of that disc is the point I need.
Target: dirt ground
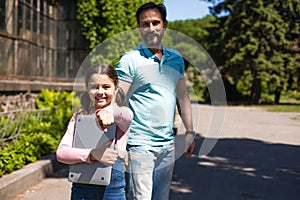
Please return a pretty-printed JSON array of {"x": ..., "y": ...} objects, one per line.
[{"x": 242, "y": 153}]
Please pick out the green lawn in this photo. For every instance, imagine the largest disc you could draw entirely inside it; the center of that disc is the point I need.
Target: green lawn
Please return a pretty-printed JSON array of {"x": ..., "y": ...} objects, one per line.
[{"x": 281, "y": 107}]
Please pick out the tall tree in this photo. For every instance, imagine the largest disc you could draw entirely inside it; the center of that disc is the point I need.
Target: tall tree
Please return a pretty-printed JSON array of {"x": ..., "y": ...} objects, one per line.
[
  {"x": 259, "y": 44},
  {"x": 290, "y": 12},
  {"x": 197, "y": 30}
]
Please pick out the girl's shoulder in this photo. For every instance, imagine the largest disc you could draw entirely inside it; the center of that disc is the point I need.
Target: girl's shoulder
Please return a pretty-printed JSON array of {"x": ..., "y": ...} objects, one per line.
[{"x": 122, "y": 110}]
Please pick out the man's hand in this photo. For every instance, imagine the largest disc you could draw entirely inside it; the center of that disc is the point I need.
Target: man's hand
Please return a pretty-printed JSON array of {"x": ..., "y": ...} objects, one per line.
[
  {"x": 189, "y": 144},
  {"x": 104, "y": 154}
]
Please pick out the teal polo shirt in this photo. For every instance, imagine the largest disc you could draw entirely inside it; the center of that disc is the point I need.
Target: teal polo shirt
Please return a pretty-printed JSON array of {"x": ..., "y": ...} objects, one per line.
[{"x": 152, "y": 95}]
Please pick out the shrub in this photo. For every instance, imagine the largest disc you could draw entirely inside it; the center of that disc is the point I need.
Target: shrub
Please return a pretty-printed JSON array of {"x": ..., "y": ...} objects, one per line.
[
  {"x": 40, "y": 135},
  {"x": 26, "y": 149}
]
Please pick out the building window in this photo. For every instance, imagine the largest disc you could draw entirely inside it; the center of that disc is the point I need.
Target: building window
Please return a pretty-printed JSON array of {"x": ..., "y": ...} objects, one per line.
[{"x": 2, "y": 15}]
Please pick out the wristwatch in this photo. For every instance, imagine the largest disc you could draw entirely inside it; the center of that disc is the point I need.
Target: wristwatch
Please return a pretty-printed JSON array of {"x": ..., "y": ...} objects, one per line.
[{"x": 190, "y": 132}]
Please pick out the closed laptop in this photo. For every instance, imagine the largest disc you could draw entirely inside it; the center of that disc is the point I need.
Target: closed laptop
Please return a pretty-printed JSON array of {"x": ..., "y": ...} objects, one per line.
[{"x": 88, "y": 134}]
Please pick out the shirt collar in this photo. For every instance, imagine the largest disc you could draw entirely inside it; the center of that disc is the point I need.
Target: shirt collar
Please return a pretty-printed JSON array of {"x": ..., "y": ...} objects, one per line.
[{"x": 147, "y": 53}]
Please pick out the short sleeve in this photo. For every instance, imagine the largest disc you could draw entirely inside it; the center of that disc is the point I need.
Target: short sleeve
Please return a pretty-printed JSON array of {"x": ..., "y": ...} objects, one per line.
[{"x": 124, "y": 68}]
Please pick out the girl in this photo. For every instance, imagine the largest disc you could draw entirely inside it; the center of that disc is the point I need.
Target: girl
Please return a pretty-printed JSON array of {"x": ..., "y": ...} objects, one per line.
[{"x": 101, "y": 93}]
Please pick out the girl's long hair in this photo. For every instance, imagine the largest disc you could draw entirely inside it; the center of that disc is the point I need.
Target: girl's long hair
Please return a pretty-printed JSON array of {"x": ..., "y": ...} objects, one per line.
[{"x": 103, "y": 69}]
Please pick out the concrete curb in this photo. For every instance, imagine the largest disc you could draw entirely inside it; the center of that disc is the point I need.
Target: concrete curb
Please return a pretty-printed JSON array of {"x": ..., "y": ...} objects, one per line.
[{"x": 18, "y": 181}]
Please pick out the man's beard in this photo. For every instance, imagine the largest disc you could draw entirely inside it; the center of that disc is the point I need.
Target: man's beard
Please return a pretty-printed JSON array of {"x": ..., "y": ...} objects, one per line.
[{"x": 153, "y": 40}]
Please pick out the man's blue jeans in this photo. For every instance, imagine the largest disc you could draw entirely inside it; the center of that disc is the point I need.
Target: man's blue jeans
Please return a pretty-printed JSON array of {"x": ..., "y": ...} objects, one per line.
[
  {"x": 150, "y": 171},
  {"x": 115, "y": 190}
]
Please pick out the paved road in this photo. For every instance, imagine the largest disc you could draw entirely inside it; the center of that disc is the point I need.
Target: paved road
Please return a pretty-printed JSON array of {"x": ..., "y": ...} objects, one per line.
[{"x": 243, "y": 153}]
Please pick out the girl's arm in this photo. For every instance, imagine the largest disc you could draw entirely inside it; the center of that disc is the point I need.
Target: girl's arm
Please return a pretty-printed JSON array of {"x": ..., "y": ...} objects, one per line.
[
  {"x": 122, "y": 117},
  {"x": 65, "y": 153}
]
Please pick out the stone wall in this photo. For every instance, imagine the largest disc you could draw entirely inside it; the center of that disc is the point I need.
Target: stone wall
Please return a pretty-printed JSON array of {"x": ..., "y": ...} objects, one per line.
[{"x": 20, "y": 101}]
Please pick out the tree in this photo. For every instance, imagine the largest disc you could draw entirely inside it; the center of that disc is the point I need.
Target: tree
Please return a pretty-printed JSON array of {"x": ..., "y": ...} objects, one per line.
[
  {"x": 290, "y": 12},
  {"x": 258, "y": 44},
  {"x": 194, "y": 28},
  {"x": 197, "y": 30},
  {"x": 101, "y": 19}
]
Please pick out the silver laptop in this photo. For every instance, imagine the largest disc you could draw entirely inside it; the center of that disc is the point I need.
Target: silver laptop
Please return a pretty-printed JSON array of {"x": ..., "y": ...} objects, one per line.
[{"x": 89, "y": 135}]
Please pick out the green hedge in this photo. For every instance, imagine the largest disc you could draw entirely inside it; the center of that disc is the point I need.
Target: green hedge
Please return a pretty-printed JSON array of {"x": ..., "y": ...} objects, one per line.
[{"x": 39, "y": 135}]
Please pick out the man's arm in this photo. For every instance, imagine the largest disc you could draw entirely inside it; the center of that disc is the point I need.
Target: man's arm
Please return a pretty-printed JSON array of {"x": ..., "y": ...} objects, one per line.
[
  {"x": 184, "y": 105},
  {"x": 125, "y": 86},
  {"x": 185, "y": 111}
]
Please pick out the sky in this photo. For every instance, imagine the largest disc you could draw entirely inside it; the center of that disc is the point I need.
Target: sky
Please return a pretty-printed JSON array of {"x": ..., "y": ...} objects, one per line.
[{"x": 186, "y": 9}]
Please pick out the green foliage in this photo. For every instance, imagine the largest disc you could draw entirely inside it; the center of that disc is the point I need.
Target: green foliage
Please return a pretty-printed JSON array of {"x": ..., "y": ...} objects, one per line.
[
  {"x": 244, "y": 83},
  {"x": 260, "y": 38},
  {"x": 40, "y": 134},
  {"x": 9, "y": 125},
  {"x": 101, "y": 19},
  {"x": 293, "y": 95},
  {"x": 196, "y": 28},
  {"x": 26, "y": 149},
  {"x": 60, "y": 103},
  {"x": 186, "y": 37},
  {"x": 110, "y": 50},
  {"x": 198, "y": 86}
]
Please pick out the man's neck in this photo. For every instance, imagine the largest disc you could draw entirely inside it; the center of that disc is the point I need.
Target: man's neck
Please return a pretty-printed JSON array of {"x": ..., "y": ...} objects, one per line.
[{"x": 158, "y": 52}]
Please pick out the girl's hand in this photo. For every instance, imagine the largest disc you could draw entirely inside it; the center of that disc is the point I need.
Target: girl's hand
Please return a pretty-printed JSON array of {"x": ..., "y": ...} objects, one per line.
[
  {"x": 124, "y": 156},
  {"x": 104, "y": 154},
  {"x": 105, "y": 119}
]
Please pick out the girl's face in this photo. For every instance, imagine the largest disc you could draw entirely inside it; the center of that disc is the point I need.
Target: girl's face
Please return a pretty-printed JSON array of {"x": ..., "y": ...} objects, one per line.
[{"x": 101, "y": 90}]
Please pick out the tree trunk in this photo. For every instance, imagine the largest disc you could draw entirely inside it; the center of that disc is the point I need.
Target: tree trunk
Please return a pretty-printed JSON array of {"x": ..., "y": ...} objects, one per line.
[
  {"x": 277, "y": 95},
  {"x": 255, "y": 90}
]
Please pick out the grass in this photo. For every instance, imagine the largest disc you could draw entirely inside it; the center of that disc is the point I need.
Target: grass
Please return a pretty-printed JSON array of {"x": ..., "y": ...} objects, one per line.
[
  {"x": 287, "y": 104},
  {"x": 281, "y": 107}
]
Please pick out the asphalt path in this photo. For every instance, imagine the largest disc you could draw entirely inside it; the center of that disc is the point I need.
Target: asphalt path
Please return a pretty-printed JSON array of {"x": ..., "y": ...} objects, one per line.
[{"x": 242, "y": 153}]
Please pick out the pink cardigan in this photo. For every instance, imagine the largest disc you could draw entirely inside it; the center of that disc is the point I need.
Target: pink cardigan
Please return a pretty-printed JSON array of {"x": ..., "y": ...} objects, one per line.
[{"x": 65, "y": 153}]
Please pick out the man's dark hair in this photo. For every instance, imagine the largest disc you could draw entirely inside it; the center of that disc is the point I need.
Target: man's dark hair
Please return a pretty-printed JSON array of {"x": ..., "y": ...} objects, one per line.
[{"x": 151, "y": 5}]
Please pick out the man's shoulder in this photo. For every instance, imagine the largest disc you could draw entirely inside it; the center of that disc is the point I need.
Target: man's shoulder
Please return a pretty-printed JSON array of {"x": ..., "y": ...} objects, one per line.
[
  {"x": 172, "y": 51},
  {"x": 131, "y": 54},
  {"x": 130, "y": 58},
  {"x": 133, "y": 51}
]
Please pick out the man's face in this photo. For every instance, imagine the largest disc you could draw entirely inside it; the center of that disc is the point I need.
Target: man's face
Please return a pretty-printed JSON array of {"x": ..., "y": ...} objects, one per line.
[{"x": 152, "y": 27}]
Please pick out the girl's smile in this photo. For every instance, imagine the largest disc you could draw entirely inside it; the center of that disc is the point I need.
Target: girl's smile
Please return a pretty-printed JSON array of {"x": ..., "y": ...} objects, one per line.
[{"x": 101, "y": 90}]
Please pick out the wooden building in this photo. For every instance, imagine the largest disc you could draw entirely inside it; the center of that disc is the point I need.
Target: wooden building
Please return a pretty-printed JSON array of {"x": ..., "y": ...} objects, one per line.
[{"x": 41, "y": 45}]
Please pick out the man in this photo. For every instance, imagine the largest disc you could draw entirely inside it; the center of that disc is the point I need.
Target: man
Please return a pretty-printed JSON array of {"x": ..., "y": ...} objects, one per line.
[{"x": 152, "y": 77}]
